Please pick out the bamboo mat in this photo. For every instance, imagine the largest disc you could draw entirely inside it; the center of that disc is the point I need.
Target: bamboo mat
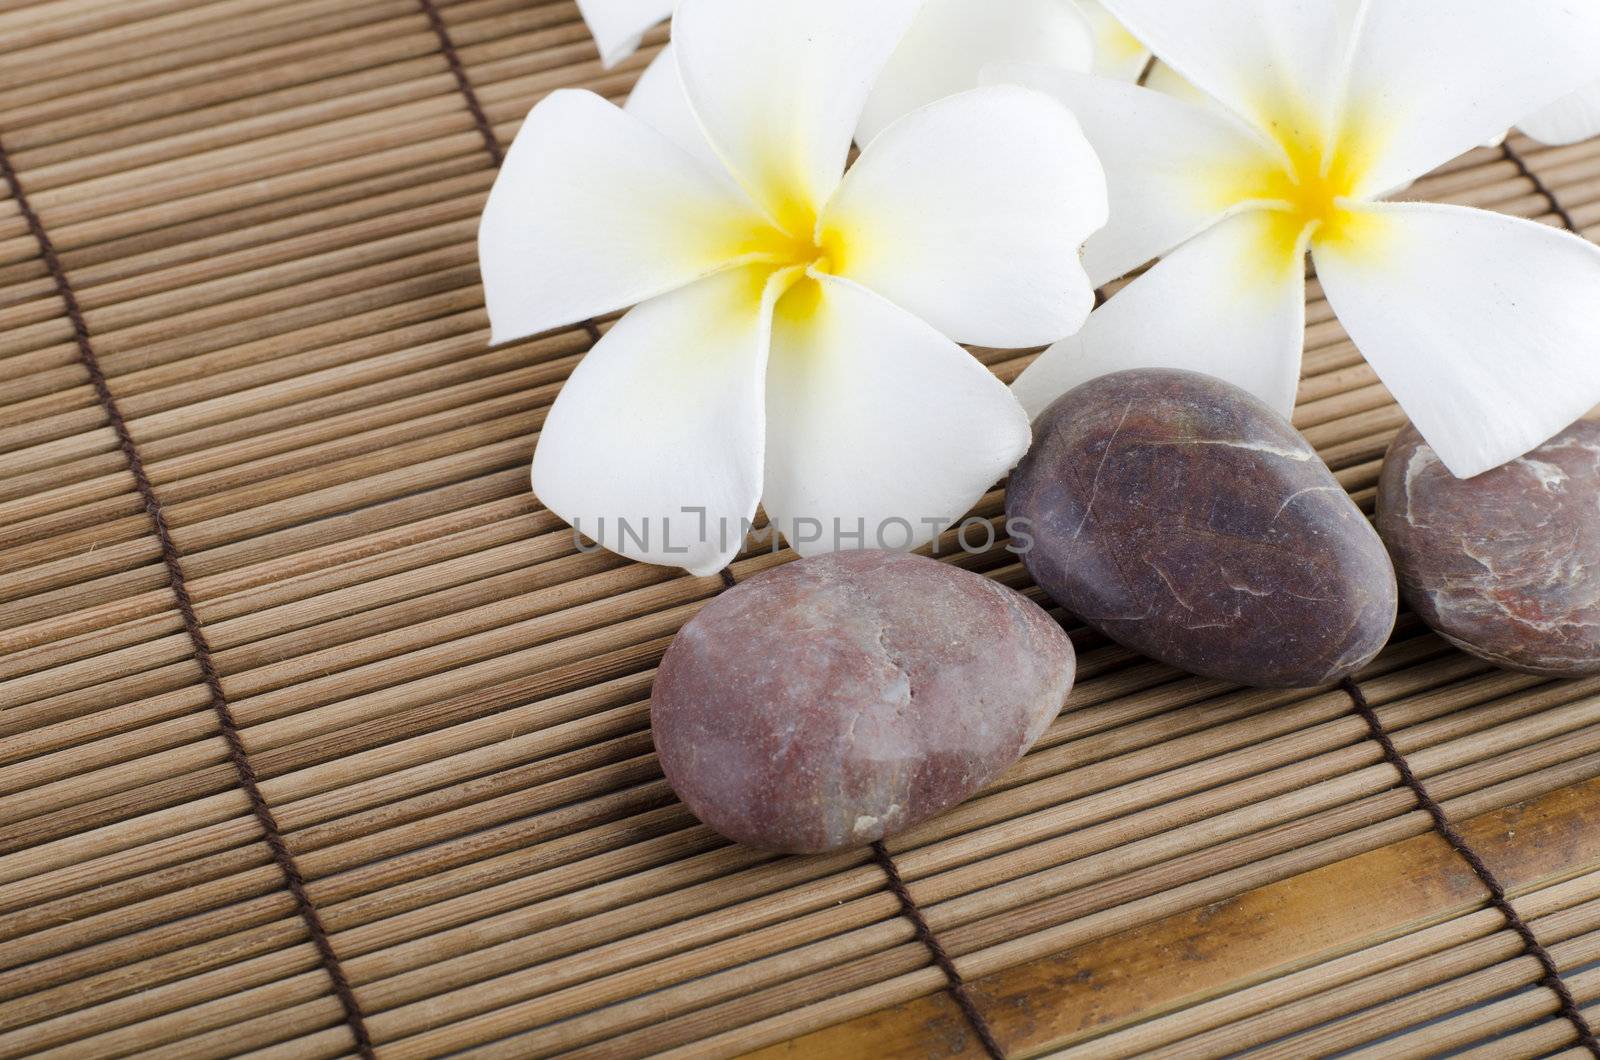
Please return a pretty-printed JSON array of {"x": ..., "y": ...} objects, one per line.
[{"x": 357, "y": 762}]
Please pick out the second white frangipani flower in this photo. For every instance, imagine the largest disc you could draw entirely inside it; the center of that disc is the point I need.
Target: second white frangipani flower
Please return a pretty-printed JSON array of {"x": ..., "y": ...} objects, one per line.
[
  {"x": 1569, "y": 119},
  {"x": 796, "y": 341},
  {"x": 952, "y": 41},
  {"x": 1483, "y": 326},
  {"x": 619, "y": 25}
]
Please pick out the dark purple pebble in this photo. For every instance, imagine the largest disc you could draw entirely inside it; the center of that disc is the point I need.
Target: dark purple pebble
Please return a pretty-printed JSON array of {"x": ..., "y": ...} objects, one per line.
[
  {"x": 1505, "y": 565},
  {"x": 1182, "y": 517},
  {"x": 843, "y": 698}
]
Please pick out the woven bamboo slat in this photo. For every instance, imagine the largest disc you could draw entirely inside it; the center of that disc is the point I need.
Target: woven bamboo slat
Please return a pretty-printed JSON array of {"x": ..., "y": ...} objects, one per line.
[{"x": 264, "y": 214}]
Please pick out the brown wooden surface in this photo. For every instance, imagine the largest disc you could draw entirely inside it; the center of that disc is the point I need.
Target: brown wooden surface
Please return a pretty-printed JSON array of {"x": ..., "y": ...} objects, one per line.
[
  {"x": 266, "y": 212},
  {"x": 1298, "y": 928}
]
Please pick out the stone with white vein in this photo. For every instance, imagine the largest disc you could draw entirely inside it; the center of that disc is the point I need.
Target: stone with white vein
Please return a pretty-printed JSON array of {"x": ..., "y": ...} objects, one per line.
[
  {"x": 1182, "y": 517},
  {"x": 1505, "y": 565}
]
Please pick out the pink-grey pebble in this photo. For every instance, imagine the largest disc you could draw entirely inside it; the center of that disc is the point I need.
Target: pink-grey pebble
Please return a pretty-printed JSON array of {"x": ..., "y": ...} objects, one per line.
[{"x": 840, "y": 699}]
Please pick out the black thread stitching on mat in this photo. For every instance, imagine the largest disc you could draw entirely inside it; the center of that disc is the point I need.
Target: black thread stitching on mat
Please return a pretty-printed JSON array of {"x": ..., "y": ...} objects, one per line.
[
  {"x": 1515, "y": 158},
  {"x": 1551, "y": 979},
  {"x": 957, "y": 985},
  {"x": 480, "y": 118},
  {"x": 447, "y": 48},
  {"x": 191, "y": 621}
]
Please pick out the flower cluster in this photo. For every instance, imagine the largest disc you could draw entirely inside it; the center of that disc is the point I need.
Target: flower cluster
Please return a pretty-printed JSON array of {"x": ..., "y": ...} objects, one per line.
[{"x": 795, "y": 337}]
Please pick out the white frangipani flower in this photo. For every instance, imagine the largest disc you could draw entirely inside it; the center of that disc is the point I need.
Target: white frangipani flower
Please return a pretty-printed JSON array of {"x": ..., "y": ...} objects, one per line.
[
  {"x": 1118, "y": 54},
  {"x": 1484, "y": 327},
  {"x": 795, "y": 341},
  {"x": 1569, "y": 119},
  {"x": 619, "y": 25},
  {"x": 947, "y": 47},
  {"x": 1075, "y": 32},
  {"x": 953, "y": 42}
]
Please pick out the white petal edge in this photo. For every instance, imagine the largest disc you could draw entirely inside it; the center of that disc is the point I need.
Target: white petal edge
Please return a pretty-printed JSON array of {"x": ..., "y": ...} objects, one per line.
[
  {"x": 658, "y": 100},
  {"x": 664, "y": 416},
  {"x": 1229, "y": 303},
  {"x": 619, "y": 25},
  {"x": 951, "y": 42},
  {"x": 779, "y": 87},
  {"x": 1482, "y": 326},
  {"x": 1169, "y": 82},
  {"x": 1118, "y": 54},
  {"x": 1568, "y": 120},
  {"x": 1431, "y": 80},
  {"x": 1172, "y": 166},
  {"x": 970, "y": 213},
  {"x": 1252, "y": 56},
  {"x": 878, "y": 421},
  {"x": 594, "y": 211}
]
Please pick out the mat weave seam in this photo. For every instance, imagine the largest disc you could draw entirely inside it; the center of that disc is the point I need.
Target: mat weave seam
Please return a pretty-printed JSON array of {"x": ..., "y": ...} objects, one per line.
[
  {"x": 1552, "y": 979},
  {"x": 954, "y": 983},
  {"x": 447, "y": 48},
  {"x": 1514, "y": 156},
  {"x": 176, "y": 579},
  {"x": 480, "y": 117}
]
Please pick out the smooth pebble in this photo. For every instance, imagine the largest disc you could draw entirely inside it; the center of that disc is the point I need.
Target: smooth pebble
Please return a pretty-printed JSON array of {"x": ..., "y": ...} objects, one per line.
[
  {"x": 1505, "y": 565},
  {"x": 840, "y": 699},
  {"x": 1183, "y": 518}
]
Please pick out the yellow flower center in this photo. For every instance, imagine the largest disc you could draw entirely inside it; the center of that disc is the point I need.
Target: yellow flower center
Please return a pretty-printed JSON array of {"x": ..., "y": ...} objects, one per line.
[
  {"x": 1310, "y": 189},
  {"x": 793, "y": 260}
]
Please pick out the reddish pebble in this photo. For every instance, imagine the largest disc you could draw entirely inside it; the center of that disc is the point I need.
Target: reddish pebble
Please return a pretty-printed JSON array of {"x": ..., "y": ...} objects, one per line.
[{"x": 1505, "y": 565}]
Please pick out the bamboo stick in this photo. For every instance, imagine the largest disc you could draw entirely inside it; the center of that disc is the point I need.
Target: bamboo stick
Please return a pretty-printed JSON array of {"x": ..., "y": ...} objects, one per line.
[
  {"x": 1541, "y": 1039},
  {"x": 465, "y": 388},
  {"x": 1475, "y": 989},
  {"x": 1347, "y": 984},
  {"x": 285, "y": 35},
  {"x": 779, "y": 1019},
  {"x": 297, "y": 565}
]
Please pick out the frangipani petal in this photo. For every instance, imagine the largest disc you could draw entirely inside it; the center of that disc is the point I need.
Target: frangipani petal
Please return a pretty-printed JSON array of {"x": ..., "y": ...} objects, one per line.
[
  {"x": 1430, "y": 80},
  {"x": 594, "y": 211},
  {"x": 663, "y": 418},
  {"x": 1229, "y": 303},
  {"x": 1118, "y": 54},
  {"x": 1253, "y": 56},
  {"x": 619, "y": 25},
  {"x": 1569, "y": 119},
  {"x": 951, "y": 42},
  {"x": 877, "y": 421},
  {"x": 779, "y": 86},
  {"x": 658, "y": 100},
  {"x": 1164, "y": 79},
  {"x": 1173, "y": 167},
  {"x": 969, "y": 213},
  {"x": 1483, "y": 326}
]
